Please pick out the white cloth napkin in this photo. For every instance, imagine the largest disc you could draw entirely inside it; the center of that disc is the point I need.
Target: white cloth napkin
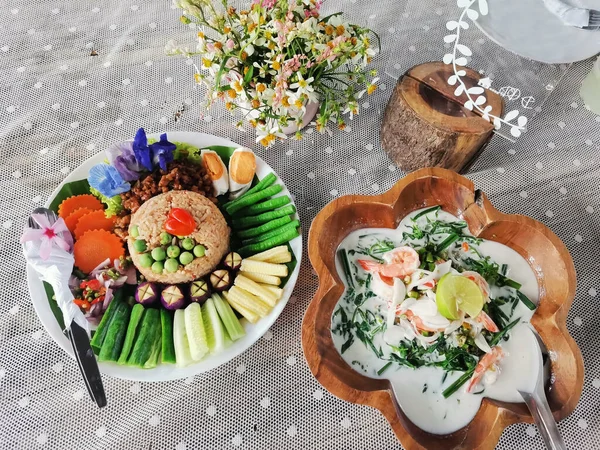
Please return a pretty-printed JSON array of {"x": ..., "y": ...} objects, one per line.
[
  {"x": 575, "y": 13},
  {"x": 56, "y": 271}
]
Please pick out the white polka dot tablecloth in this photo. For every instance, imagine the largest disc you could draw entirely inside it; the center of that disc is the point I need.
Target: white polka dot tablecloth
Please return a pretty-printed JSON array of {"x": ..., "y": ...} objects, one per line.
[{"x": 77, "y": 76}]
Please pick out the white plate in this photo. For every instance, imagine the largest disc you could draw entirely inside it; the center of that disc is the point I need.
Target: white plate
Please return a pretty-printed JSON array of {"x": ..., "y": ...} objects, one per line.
[
  {"x": 527, "y": 28},
  {"x": 164, "y": 372}
]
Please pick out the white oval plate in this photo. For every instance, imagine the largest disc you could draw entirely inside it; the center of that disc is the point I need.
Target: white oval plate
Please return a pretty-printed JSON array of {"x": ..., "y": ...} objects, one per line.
[
  {"x": 165, "y": 372},
  {"x": 527, "y": 28}
]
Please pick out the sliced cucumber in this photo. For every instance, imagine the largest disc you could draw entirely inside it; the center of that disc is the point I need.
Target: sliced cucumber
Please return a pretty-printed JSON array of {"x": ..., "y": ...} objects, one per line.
[
  {"x": 234, "y": 328},
  {"x": 113, "y": 342},
  {"x": 100, "y": 333},
  {"x": 216, "y": 335},
  {"x": 168, "y": 349},
  {"x": 180, "y": 340},
  {"x": 196, "y": 335},
  {"x": 146, "y": 337},
  {"x": 152, "y": 360},
  {"x": 134, "y": 320}
]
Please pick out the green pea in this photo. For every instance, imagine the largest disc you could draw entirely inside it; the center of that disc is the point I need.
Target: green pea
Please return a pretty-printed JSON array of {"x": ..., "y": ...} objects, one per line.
[
  {"x": 185, "y": 258},
  {"x": 146, "y": 260},
  {"x": 158, "y": 267},
  {"x": 173, "y": 251},
  {"x": 199, "y": 250},
  {"x": 188, "y": 243},
  {"x": 140, "y": 246},
  {"x": 165, "y": 238},
  {"x": 134, "y": 231},
  {"x": 158, "y": 254},
  {"x": 171, "y": 265}
]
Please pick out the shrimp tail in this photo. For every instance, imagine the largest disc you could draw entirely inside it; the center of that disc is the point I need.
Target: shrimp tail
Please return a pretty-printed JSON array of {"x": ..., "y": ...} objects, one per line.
[
  {"x": 487, "y": 322},
  {"x": 484, "y": 364},
  {"x": 370, "y": 266}
]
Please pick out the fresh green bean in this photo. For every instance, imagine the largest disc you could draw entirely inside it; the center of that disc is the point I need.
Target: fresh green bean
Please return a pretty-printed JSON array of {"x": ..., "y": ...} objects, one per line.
[
  {"x": 273, "y": 233},
  {"x": 245, "y": 222},
  {"x": 256, "y": 231},
  {"x": 269, "y": 243},
  {"x": 262, "y": 184},
  {"x": 251, "y": 199},
  {"x": 267, "y": 205}
]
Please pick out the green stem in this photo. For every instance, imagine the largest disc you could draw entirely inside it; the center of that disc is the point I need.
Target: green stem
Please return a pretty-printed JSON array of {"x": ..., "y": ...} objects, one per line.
[
  {"x": 384, "y": 368},
  {"x": 503, "y": 332},
  {"x": 458, "y": 383},
  {"x": 426, "y": 211}
]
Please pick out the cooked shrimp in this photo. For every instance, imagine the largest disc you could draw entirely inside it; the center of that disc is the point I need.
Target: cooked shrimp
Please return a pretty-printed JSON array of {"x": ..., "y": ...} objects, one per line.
[
  {"x": 480, "y": 281},
  {"x": 487, "y": 322},
  {"x": 400, "y": 262},
  {"x": 487, "y": 362},
  {"x": 418, "y": 322}
]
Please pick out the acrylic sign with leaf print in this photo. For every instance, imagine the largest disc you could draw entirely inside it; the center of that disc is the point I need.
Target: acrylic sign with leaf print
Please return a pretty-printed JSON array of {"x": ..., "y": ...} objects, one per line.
[{"x": 458, "y": 57}]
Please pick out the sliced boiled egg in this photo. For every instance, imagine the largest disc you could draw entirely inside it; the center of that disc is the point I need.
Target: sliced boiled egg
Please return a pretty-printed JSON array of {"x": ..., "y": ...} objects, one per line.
[
  {"x": 242, "y": 168},
  {"x": 216, "y": 170}
]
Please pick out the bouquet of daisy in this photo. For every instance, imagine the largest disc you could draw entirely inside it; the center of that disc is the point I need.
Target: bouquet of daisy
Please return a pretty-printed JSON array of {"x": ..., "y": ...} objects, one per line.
[{"x": 279, "y": 62}]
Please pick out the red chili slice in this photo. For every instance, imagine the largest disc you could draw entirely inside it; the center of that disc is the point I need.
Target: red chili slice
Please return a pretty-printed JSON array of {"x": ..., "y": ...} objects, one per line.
[{"x": 180, "y": 222}]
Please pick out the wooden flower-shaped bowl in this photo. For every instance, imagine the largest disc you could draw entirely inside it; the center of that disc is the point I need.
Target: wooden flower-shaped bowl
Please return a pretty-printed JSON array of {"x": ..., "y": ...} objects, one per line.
[{"x": 546, "y": 254}]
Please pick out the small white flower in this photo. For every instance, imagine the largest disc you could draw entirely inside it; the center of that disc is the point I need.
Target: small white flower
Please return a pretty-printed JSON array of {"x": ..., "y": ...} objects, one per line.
[
  {"x": 303, "y": 85},
  {"x": 268, "y": 135},
  {"x": 351, "y": 108}
]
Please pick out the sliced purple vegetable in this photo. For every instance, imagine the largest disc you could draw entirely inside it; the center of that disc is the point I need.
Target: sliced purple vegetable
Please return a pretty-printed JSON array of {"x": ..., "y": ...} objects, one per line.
[
  {"x": 172, "y": 297},
  {"x": 147, "y": 293},
  {"x": 220, "y": 280},
  {"x": 199, "y": 291},
  {"x": 232, "y": 261}
]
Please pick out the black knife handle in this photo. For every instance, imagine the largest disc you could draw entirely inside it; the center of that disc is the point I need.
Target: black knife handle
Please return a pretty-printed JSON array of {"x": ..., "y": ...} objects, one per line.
[{"x": 87, "y": 363}]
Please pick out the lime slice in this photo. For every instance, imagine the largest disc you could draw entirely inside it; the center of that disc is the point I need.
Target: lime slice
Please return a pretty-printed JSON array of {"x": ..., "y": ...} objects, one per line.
[{"x": 454, "y": 293}]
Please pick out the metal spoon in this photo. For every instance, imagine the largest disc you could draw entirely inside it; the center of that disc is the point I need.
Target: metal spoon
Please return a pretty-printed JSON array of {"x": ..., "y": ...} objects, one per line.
[{"x": 538, "y": 403}]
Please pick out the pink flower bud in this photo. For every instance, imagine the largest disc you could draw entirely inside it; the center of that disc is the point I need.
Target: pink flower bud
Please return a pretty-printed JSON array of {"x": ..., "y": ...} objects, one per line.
[{"x": 230, "y": 44}]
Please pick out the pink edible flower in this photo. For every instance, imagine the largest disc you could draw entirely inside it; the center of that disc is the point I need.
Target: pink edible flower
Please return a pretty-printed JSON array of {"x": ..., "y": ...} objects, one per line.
[
  {"x": 268, "y": 4},
  {"x": 48, "y": 234},
  {"x": 230, "y": 44},
  {"x": 338, "y": 40},
  {"x": 292, "y": 65}
]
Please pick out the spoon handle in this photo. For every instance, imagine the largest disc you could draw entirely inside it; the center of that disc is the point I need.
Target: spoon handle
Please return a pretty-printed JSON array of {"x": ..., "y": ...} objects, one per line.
[{"x": 538, "y": 406}]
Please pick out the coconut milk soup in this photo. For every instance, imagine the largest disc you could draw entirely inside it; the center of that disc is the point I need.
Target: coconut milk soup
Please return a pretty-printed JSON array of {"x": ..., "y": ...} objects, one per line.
[{"x": 439, "y": 313}]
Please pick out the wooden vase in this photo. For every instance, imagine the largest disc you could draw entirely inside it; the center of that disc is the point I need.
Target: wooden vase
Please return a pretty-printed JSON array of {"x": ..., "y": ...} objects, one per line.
[{"x": 426, "y": 125}]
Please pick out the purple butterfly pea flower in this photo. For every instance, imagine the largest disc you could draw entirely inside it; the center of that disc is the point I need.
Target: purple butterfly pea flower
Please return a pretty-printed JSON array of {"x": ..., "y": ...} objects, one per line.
[
  {"x": 142, "y": 152},
  {"x": 162, "y": 151},
  {"x": 122, "y": 157}
]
